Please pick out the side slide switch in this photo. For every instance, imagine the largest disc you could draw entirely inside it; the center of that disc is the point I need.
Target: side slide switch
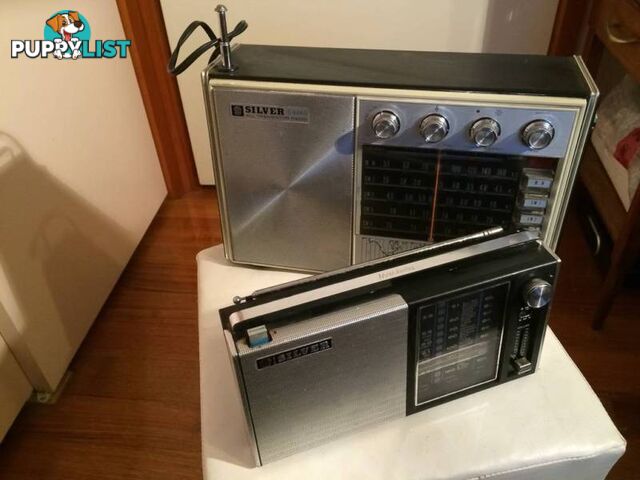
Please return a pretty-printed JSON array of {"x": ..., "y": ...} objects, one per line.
[
  {"x": 258, "y": 336},
  {"x": 522, "y": 365}
]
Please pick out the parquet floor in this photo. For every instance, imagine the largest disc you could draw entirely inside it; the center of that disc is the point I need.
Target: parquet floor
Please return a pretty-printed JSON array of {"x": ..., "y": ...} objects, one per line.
[{"x": 131, "y": 409}]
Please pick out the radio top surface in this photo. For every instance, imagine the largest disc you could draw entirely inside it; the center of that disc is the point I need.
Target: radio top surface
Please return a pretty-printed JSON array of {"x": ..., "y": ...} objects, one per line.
[{"x": 474, "y": 72}]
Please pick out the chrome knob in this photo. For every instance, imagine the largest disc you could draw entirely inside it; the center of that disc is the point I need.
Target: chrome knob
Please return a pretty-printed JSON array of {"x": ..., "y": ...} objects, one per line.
[
  {"x": 537, "y": 293},
  {"x": 484, "y": 132},
  {"x": 434, "y": 128},
  {"x": 385, "y": 124},
  {"x": 538, "y": 134}
]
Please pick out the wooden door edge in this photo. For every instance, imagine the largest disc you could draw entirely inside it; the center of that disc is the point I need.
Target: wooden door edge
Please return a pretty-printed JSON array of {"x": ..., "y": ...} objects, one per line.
[
  {"x": 144, "y": 25},
  {"x": 569, "y": 27}
]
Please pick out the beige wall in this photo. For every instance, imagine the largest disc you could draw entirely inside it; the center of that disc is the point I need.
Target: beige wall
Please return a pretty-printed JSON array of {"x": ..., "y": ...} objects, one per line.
[
  {"x": 510, "y": 26},
  {"x": 14, "y": 388},
  {"x": 79, "y": 184}
]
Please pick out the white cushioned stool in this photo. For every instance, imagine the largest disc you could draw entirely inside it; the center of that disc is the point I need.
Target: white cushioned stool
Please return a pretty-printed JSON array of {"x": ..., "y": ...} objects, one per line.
[{"x": 549, "y": 425}]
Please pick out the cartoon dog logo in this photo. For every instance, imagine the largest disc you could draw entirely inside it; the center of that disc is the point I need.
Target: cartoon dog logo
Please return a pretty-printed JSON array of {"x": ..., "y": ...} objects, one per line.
[{"x": 67, "y": 25}]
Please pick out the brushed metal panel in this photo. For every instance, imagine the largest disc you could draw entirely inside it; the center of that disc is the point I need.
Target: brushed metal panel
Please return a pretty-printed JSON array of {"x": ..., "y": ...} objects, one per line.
[
  {"x": 287, "y": 182},
  {"x": 359, "y": 381},
  {"x": 235, "y": 363}
]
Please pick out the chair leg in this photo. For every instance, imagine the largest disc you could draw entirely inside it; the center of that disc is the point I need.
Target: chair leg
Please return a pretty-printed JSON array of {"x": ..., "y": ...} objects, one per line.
[
  {"x": 609, "y": 291},
  {"x": 625, "y": 252}
]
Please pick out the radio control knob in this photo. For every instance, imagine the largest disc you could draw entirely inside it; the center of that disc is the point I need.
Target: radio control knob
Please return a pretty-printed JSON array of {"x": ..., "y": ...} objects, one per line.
[
  {"x": 538, "y": 134},
  {"x": 385, "y": 124},
  {"x": 484, "y": 132},
  {"x": 537, "y": 293},
  {"x": 434, "y": 128}
]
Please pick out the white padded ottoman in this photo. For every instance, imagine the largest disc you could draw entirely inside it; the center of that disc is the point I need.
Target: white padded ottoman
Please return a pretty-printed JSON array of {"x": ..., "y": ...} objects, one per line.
[{"x": 549, "y": 425}]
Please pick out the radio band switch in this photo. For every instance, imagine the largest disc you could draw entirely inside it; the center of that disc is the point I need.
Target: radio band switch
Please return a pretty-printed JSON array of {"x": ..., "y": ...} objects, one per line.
[
  {"x": 534, "y": 201},
  {"x": 533, "y": 218},
  {"x": 536, "y": 179}
]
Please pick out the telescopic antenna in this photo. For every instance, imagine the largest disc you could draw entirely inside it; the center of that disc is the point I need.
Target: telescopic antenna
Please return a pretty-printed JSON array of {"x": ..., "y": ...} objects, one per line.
[{"x": 225, "y": 47}]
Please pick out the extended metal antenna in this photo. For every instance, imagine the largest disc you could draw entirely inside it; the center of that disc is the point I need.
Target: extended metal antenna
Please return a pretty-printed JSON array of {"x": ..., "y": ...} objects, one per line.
[
  {"x": 429, "y": 249},
  {"x": 225, "y": 47}
]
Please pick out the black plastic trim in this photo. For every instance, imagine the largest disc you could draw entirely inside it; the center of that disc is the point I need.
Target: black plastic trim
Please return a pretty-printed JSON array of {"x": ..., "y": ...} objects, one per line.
[{"x": 446, "y": 71}]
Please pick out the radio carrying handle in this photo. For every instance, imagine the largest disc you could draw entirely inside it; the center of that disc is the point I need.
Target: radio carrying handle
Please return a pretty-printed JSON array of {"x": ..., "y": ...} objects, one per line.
[{"x": 221, "y": 45}]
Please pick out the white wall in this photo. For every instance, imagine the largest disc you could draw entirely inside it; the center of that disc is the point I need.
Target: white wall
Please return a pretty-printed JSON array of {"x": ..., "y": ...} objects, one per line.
[
  {"x": 510, "y": 26},
  {"x": 79, "y": 184}
]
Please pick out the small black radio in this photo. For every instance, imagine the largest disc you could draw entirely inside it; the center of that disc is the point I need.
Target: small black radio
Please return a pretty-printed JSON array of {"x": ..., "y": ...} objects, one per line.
[{"x": 336, "y": 352}]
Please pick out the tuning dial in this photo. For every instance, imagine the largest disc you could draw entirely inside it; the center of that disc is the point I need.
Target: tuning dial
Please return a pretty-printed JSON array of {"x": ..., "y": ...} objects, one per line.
[
  {"x": 537, "y": 293},
  {"x": 434, "y": 128},
  {"x": 385, "y": 124},
  {"x": 538, "y": 134},
  {"x": 485, "y": 132}
]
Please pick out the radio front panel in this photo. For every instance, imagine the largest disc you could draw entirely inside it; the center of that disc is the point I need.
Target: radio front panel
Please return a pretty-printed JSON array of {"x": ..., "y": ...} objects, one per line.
[
  {"x": 325, "y": 158},
  {"x": 421, "y": 177},
  {"x": 389, "y": 340},
  {"x": 431, "y": 196},
  {"x": 419, "y": 196},
  {"x": 306, "y": 167},
  {"x": 458, "y": 342}
]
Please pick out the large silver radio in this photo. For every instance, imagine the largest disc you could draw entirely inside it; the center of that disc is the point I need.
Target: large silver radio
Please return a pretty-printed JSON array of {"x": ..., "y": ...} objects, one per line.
[
  {"x": 334, "y": 353},
  {"x": 331, "y": 157}
]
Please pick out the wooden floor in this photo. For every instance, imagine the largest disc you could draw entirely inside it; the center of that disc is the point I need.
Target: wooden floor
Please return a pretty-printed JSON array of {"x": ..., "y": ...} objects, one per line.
[{"x": 131, "y": 408}]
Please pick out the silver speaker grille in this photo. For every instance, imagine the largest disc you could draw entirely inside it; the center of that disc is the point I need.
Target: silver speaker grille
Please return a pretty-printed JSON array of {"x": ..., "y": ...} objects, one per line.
[{"x": 326, "y": 376}]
